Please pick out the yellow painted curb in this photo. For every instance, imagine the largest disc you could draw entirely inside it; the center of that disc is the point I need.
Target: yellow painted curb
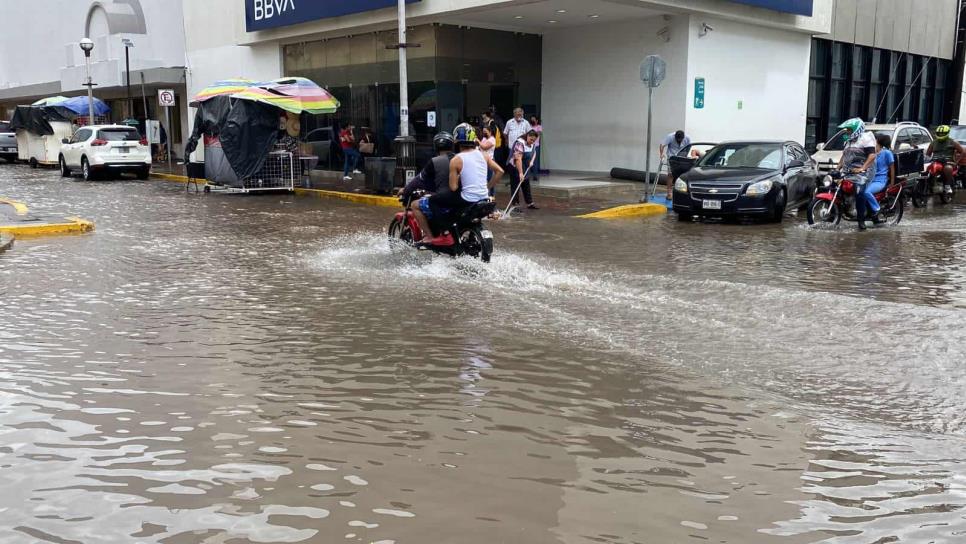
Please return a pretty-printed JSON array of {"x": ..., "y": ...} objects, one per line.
[
  {"x": 629, "y": 210},
  {"x": 74, "y": 225},
  {"x": 171, "y": 177},
  {"x": 18, "y": 207},
  {"x": 371, "y": 200}
]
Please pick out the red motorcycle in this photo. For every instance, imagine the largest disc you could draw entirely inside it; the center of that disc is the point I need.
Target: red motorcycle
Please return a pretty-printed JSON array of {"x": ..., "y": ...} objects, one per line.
[
  {"x": 835, "y": 199},
  {"x": 471, "y": 238},
  {"x": 933, "y": 182}
]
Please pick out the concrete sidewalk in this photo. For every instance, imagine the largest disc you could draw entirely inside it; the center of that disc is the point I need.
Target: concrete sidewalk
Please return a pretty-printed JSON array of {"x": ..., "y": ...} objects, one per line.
[
  {"x": 17, "y": 220},
  {"x": 561, "y": 193}
]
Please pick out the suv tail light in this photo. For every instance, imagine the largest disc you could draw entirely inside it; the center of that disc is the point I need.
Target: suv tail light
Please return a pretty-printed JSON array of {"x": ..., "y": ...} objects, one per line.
[
  {"x": 99, "y": 141},
  {"x": 143, "y": 141}
]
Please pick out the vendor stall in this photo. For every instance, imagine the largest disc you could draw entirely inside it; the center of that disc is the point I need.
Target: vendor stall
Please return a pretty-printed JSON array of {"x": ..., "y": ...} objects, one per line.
[
  {"x": 41, "y": 126},
  {"x": 250, "y": 131}
]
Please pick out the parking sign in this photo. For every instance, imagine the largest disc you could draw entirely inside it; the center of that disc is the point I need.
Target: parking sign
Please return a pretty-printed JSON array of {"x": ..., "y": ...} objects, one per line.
[{"x": 166, "y": 98}]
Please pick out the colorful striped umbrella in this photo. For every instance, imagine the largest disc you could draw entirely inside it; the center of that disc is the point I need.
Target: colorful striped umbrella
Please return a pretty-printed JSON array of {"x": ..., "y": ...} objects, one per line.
[
  {"x": 293, "y": 94},
  {"x": 223, "y": 88}
]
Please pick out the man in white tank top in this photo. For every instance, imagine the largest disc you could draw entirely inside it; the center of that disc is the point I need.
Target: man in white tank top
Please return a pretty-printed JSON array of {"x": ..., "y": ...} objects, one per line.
[{"x": 467, "y": 185}]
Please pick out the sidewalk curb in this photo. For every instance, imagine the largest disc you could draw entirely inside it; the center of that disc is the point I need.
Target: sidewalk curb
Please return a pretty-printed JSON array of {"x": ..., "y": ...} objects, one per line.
[
  {"x": 372, "y": 200},
  {"x": 19, "y": 207},
  {"x": 169, "y": 177},
  {"x": 73, "y": 225},
  {"x": 628, "y": 210}
]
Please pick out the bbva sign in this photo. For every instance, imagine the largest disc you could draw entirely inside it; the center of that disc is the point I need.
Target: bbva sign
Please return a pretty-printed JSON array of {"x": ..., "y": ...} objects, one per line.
[{"x": 265, "y": 14}]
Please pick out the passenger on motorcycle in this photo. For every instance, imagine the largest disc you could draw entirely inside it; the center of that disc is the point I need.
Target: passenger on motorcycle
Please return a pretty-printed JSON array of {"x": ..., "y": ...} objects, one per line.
[
  {"x": 945, "y": 149},
  {"x": 434, "y": 177},
  {"x": 885, "y": 174},
  {"x": 467, "y": 186}
]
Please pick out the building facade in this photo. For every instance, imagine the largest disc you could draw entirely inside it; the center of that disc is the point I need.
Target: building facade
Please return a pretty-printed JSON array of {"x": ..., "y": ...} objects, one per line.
[
  {"x": 40, "y": 56},
  {"x": 776, "y": 69}
]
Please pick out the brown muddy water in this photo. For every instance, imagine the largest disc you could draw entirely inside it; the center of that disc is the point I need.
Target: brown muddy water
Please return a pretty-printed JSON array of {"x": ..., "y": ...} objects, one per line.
[{"x": 216, "y": 369}]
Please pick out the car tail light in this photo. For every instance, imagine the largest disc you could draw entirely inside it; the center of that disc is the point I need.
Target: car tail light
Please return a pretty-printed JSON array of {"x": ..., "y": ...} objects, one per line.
[
  {"x": 143, "y": 141},
  {"x": 99, "y": 141}
]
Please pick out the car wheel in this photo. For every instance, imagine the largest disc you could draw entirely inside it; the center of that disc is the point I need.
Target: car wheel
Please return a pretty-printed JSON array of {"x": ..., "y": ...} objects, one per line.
[
  {"x": 33, "y": 162},
  {"x": 684, "y": 216},
  {"x": 86, "y": 170},
  {"x": 64, "y": 170},
  {"x": 144, "y": 173},
  {"x": 778, "y": 212}
]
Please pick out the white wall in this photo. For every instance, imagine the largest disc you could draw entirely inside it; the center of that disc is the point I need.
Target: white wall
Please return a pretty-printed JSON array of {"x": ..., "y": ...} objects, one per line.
[
  {"x": 38, "y": 43},
  {"x": 765, "y": 69},
  {"x": 594, "y": 104}
]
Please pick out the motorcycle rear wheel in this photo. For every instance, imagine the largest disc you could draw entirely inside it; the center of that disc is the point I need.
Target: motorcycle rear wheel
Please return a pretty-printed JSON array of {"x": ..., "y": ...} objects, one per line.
[
  {"x": 473, "y": 244},
  {"x": 823, "y": 211},
  {"x": 893, "y": 215},
  {"x": 920, "y": 195}
]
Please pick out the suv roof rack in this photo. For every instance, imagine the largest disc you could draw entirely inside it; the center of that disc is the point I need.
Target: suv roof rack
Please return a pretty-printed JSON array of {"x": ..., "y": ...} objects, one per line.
[{"x": 903, "y": 123}]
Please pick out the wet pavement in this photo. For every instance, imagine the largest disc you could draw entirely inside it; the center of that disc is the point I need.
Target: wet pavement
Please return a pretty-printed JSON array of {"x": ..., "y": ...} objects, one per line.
[{"x": 225, "y": 369}]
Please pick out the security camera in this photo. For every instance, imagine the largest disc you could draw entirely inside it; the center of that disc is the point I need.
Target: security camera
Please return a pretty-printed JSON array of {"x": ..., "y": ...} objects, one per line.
[{"x": 705, "y": 28}]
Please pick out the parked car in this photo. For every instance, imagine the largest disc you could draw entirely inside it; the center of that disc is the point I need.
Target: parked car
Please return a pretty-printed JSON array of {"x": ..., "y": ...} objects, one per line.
[
  {"x": 105, "y": 150},
  {"x": 747, "y": 178},
  {"x": 8, "y": 142},
  {"x": 905, "y": 136},
  {"x": 325, "y": 145}
]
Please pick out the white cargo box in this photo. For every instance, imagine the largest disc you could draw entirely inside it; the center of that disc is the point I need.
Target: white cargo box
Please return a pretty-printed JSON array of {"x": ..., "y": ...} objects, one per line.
[{"x": 44, "y": 150}]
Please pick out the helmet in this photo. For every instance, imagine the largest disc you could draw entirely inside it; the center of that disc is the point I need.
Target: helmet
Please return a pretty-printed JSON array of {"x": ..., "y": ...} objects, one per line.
[
  {"x": 465, "y": 135},
  {"x": 942, "y": 132},
  {"x": 443, "y": 142},
  {"x": 854, "y": 126}
]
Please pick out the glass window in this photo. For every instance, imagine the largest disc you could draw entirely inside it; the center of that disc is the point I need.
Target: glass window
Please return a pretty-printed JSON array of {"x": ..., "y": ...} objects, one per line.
[
  {"x": 4, "y": 127},
  {"x": 119, "y": 134},
  {"x": 905, "y": 137},
  {"x": 81, "y": 135},
  {"x": 740, "y": 155}
]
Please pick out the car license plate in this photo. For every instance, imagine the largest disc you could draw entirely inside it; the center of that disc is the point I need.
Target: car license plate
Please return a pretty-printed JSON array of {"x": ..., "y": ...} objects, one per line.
[
  {"x": 487, "y": 235},
  {"x": 711, "y": 204},
  {"x": 123, "y": 150}
]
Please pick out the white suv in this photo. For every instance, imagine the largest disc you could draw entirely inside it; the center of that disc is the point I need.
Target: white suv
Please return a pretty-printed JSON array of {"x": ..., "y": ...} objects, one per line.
[
  {"x": 105, "y": 149},
  {"x": 905, "y": 136}
]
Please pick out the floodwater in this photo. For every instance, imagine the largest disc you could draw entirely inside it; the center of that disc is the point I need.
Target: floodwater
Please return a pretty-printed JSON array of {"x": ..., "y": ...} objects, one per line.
[{"x": 217, "y": 369}]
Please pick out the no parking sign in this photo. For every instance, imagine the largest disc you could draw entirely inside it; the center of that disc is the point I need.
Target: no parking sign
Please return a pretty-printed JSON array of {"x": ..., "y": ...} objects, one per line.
[{"x": 166, "y": 98}]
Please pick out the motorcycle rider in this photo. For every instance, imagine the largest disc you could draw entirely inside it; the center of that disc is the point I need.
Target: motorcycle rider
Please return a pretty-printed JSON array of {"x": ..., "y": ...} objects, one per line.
[
  {"x": 857, "y": 157},
  {"x": 945, "y": 149},
  {"x": 467, "y": 185},
  {"x": 434, "y": 177}
]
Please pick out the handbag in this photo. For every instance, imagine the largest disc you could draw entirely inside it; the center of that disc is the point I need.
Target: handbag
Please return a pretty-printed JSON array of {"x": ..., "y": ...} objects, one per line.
[{"x": 367, "y": 148}]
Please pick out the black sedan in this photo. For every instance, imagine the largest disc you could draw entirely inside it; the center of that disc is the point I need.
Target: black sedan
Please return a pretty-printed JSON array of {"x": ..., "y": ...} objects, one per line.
[{"x": 747, "y": 179}]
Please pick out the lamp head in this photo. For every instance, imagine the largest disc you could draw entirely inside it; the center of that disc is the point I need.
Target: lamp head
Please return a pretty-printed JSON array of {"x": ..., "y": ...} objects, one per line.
[{"x": 87, "y": 45}]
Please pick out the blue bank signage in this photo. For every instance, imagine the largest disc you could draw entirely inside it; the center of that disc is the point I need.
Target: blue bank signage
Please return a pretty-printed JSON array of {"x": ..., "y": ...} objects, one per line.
[
  {"x": 798, "y": 7},
  {"x": 698, "y": 93},
  {"x": 264, "y": 14}
]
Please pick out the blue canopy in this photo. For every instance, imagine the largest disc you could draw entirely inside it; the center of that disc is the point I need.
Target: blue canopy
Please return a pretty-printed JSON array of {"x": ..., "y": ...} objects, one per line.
[{"x": 78, "y": 105}]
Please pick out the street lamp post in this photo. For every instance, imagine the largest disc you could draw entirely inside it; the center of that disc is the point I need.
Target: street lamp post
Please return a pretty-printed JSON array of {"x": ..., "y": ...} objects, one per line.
[
  {"x": 128, "y": 44},
  {"x": 403, "y": 73},
  {"x": 87, "y": 45}
]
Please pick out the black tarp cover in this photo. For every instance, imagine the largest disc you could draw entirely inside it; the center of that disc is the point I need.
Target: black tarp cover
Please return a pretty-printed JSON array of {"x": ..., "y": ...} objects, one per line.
[
  {"x": 247, "y": 131},
  {"x": 36, "y": 119}
]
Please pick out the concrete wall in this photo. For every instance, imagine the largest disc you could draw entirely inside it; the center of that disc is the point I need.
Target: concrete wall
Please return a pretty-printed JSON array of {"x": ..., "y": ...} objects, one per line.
[
  {"x": 594, "y": 104},
  {"x": 756, "y": 82},
  {"x": 922, "y": 27}
]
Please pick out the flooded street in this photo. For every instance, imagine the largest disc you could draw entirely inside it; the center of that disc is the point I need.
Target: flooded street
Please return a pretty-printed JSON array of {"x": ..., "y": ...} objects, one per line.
[{"x": 217, "y": 369}]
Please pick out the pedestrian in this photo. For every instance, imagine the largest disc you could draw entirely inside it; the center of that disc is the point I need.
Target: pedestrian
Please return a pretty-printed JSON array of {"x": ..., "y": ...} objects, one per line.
[
  {"x": 348, "y": 141},
  {"x": 502, "y": 146},
  {"x": 488, "y": 147},
  {"x": 521, "y": 159},
  {"x": 671, "y": 146},
  {"x": 538, "y": 128},
  {"x": 517, "y": 127}
]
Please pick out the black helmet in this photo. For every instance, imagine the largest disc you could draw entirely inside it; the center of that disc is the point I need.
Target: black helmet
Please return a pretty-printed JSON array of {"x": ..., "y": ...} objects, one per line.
[{"x": 443, "y": 142}]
